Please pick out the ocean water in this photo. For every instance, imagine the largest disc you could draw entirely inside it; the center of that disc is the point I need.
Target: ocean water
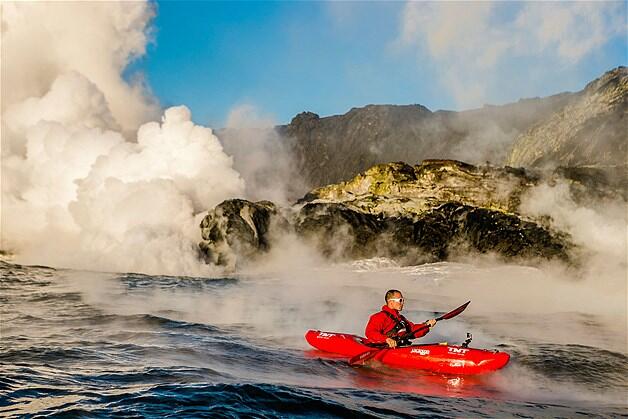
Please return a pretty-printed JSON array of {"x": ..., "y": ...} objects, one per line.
[{"x": 90, "y": 344}]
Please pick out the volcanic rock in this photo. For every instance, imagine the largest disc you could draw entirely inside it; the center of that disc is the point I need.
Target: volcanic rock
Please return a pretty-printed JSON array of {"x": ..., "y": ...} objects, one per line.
[
  {"x": 586, "y": 128},
  {"x": 414, "y": 214},
  {"x": 237, "y": 228}
]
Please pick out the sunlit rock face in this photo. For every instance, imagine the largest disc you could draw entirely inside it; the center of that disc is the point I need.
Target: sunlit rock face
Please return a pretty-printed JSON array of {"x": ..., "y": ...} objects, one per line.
[
  {"x": 591, "y": 130},
  {"x": 429, "y": 212},
  {"x": 398, "y": 189},
  {"x": 437, "y": 210}
]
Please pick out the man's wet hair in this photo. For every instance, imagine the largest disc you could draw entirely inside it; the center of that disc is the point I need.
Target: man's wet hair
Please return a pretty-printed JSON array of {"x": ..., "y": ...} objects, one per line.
[{"x": 391, "y": 293}]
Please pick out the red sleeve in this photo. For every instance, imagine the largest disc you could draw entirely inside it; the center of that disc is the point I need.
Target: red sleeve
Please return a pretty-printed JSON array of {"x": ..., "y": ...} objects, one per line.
[
  {"x": 375, "y": 327},
  {"x": 419, "y": 329},
  {"x": 413, "y": 326}
]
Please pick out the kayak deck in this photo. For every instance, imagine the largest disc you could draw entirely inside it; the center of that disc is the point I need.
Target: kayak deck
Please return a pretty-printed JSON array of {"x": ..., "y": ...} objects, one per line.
[{"x": 448, "y": 359}]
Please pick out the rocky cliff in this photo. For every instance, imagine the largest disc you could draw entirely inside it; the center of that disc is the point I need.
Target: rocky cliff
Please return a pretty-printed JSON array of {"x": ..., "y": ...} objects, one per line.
[
  {"x": 591, "y": 130},
  {"x": 330, "y": 149},
  {"x": 434, "y": 211}
]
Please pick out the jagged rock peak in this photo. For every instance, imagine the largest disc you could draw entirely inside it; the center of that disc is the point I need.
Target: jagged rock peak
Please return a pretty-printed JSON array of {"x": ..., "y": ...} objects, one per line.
[
  {"x": 304, "y": 117},
  {"x": 611, "y": 80},
  {"x": 368, "y": 111}
]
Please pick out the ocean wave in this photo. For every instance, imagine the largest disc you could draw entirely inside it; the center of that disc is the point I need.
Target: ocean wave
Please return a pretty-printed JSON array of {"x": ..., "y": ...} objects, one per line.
[{"x": 66, "y": 353}]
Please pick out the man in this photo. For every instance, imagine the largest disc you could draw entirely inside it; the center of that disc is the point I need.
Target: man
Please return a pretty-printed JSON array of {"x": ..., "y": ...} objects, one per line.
[{"x": 391, "y": 327}]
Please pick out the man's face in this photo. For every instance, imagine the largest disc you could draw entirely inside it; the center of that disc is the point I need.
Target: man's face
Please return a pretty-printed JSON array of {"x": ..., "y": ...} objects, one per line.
[{"x": 396, "y": 301}]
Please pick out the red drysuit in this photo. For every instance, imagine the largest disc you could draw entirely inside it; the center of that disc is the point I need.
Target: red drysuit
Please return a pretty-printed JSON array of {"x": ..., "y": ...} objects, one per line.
[{"x": 381, "y": 325}]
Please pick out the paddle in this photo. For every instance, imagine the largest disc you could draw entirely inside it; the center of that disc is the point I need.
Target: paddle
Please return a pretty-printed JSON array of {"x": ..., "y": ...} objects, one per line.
[{"x": 360, "y": 359}]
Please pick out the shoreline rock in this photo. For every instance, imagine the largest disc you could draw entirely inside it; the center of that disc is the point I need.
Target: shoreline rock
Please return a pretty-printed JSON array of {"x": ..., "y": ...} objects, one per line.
[
  {"x": 434, "y": 211},
  {"x": 237, "y": 228}
]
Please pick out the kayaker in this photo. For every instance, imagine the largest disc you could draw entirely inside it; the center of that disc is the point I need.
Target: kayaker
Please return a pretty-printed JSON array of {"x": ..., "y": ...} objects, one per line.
[{"x": 391, "y": 327}]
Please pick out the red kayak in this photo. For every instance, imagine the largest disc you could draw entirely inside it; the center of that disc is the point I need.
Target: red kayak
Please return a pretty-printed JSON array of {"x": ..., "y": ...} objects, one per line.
[{"x": 443, "y": 358}]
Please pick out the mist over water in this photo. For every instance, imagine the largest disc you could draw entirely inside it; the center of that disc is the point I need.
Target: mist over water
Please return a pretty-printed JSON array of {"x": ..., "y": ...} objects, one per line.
[{"x": 132, "y": 337}]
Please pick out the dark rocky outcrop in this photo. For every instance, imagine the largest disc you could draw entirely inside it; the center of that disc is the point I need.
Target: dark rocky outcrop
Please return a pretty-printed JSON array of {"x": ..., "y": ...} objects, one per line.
[
  {"x": 238, "y": 228},
  {"x": 591, "y": 130},
  {"x": 414, "y": 214},
  {"x": 448, "y": 230}
]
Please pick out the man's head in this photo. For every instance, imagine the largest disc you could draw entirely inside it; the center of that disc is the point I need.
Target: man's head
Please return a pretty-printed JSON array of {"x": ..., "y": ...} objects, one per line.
[{"x": 394, "y": 299}]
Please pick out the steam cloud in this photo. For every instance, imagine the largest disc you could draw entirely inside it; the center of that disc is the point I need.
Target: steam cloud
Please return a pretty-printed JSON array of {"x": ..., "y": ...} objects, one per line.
[
  {"x": 75, "y": 191},
  {"x": 43, "y": 40},
  {"x": 260, "y": 156},
  {"x": 601, "y": 231}
]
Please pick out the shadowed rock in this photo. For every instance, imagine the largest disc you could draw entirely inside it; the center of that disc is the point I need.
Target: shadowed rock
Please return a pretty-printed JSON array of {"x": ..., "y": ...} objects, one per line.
[
  {"x": 237, "y": 229},
  {"x": 329, "y": 149},
  {"x": 434, "y": 235}
]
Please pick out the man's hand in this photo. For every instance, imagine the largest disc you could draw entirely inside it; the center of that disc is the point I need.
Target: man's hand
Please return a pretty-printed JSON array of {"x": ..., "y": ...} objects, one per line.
[
  {"x": 431, "y": 323},
  {"x": 391, "y": 342}
]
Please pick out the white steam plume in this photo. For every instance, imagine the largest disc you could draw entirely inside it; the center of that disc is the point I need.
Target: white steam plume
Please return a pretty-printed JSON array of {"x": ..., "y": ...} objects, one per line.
[
  {"x": 41, "y": 40},
  {"x": 75, "y": 192},
  {"x": 261, "y": 156},
  {"x": 601, "y": 231}
]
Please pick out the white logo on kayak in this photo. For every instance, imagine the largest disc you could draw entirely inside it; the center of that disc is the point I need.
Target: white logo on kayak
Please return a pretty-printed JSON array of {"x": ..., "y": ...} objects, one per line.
[
  {"x": 454, "y": 381},
  {"x": 420, "y": 351},
  {"x": 324, "y": 335},
  {"x": 460, "y": 351}
]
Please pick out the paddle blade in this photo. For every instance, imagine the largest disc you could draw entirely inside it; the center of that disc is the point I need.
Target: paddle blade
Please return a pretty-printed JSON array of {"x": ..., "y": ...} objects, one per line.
[
  {"x": 454, "y": 313},
  {"x": 360, "y": 359}
]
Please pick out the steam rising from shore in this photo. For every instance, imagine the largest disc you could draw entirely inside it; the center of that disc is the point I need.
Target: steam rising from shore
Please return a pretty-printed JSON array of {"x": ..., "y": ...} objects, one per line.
[
  {"x": 75, "y": 191},
  {"x": 43, "y": 40},
  {"x": 261, "y": 156}
]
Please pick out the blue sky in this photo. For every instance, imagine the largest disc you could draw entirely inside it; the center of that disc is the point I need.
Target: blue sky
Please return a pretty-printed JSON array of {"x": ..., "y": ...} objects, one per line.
[{"x": 287, "y": 57}]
